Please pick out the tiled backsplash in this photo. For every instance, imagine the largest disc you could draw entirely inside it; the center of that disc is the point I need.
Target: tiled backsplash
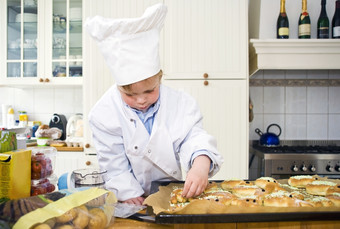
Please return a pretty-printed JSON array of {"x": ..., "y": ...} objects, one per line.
[
  {"x": 303, "y": 112},
  {"x": 41, "y": 103}
]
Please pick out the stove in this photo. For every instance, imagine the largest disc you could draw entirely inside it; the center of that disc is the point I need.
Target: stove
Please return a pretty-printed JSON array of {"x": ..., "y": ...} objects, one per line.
[{"x": 292, "y": 158}]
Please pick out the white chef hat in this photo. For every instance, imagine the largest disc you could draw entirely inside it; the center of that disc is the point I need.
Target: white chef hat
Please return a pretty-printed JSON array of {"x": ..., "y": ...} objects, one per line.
[{"x": 130, "y": 46}]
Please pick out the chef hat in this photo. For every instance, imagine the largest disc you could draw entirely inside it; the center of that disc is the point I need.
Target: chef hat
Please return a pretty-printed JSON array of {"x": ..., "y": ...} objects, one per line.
[{"x": 130, "y": 46}]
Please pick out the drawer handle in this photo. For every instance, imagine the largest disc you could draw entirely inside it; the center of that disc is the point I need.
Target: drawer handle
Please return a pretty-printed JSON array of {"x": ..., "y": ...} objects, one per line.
[
  {"x": 41, "y": 80},
  {"x": 47, "y": 80},
  {"x": 87, "y": 145},
  {"x": 88, "y": 163},
  {"x": 206, "y": 82},
  {"x": 205, "y": 75}
]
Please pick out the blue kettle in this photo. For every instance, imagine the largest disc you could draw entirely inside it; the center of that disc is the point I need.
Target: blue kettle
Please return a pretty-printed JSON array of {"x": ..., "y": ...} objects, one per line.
[{"x": 269, "y": 139}]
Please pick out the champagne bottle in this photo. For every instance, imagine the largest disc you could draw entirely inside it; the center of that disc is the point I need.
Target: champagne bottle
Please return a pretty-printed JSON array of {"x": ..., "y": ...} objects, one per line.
[
  {"x": 323, "y": 22},
  {"x": 304, "y": 22},
  {"x": 336, "y": 21},
  {"x": 282, "y": 26}
]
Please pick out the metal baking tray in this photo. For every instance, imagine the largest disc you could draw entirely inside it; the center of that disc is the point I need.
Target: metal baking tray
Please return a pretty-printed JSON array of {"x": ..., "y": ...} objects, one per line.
[{"x": 165, "y": 218}]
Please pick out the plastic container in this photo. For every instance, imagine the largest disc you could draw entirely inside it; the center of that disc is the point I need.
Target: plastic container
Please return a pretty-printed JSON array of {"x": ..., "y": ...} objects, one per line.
[
  {"x": 44, "y": 185},
  {"x": 42, "y": 162}
]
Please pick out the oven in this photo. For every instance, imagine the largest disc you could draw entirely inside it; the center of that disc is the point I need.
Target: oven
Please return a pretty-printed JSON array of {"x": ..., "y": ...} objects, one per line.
[{"x": 293, "y": 158}]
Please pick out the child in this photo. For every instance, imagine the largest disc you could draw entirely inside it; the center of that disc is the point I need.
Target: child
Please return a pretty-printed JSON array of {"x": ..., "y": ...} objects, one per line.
[{"x": 144, "y": 131}]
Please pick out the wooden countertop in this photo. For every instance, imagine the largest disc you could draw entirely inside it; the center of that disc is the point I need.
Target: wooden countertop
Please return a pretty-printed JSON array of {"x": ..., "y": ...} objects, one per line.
[{"x": 129, "y": 223}]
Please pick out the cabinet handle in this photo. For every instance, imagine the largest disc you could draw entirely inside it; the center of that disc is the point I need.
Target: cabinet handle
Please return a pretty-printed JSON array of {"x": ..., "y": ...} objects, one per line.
[
  {"x": 206, "y": 83},
  {"x": 47, "y": 80},
  {"x": 205, "y": 75},
  {"x": 88, "y": 163},
  {"x": 87, "y": 145},
  {"x": 41, "y": 80}
]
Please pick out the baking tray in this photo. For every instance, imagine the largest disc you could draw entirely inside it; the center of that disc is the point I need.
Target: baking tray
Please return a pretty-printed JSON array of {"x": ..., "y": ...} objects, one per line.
[{"x": 166, "y": 218}]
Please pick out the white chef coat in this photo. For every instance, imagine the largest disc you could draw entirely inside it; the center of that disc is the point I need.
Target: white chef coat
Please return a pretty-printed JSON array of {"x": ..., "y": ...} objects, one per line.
[{"x": 132, "y": 157}]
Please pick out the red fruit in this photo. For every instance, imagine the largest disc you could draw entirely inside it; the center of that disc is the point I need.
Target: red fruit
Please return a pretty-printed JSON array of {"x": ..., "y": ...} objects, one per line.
[
  {"x": 36, "y": 167},
  {"x": 35, "y": 176}
]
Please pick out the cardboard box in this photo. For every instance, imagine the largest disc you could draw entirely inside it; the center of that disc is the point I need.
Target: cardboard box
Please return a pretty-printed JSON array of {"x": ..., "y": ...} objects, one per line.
[{"x": 15, "y": 174}]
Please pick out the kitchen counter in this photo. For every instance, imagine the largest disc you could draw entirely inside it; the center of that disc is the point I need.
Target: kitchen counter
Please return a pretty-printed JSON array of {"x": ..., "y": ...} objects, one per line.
[{"x": 129, "y": 223}]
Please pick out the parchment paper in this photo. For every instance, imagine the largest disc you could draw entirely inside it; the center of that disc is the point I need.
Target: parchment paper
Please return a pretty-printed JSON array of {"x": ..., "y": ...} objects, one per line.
[{"x": 160, "y": 203}]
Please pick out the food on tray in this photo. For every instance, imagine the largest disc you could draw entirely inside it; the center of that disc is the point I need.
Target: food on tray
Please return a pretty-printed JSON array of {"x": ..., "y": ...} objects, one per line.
[
  {"x": 301, "y": 191},
  {"x": 319, "y": 188},
  {"x": 335, "y": 198},
  {"x": 229, "y": 184},
  {"x": 300, "y": 181},
  {"x": 263, "y": 181},
  {"x": 320, "y": 202}
]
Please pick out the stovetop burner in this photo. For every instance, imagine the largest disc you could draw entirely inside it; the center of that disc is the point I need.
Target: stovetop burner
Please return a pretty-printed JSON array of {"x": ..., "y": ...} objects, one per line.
[{"x": 301, "y": 147}]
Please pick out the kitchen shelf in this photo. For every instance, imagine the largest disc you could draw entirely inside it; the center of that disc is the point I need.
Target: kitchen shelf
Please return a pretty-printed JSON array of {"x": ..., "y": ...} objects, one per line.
[{"x": 292, "y": 54}]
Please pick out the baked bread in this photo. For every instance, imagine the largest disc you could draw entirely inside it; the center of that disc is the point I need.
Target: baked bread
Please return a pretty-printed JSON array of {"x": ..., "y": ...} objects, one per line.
[
  {"x": 320, "y": 202},
  {"x": 249, "y": 201},
  {"x": 229, "y": 184},
  {"x": 300, "y": 181},
  {"x": 319, "y": 188},
  {"x": 247, "y": 190},
  {"x": 335, "y": 198},
  {"x": 263, "y": 181},
  {"x": 281, "y": 199}
]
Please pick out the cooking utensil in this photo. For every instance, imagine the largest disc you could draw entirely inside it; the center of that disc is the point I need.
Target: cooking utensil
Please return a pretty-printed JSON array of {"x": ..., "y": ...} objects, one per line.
[{"x": 269, "y": 138}]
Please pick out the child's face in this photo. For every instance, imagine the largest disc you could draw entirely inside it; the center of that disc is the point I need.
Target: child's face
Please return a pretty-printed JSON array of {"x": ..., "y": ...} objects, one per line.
[{"x": 143, "y": 94}]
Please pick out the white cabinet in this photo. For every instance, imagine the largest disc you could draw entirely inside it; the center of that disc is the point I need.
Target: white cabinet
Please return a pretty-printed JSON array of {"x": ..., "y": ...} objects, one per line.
[
  {"x": 199, "y": 36},
  {"x": 204, "y": 36},
  {"x": 67, "y": 162},
  {"x": 223, "y": 104},
  {"x": 41, "y": 42}
]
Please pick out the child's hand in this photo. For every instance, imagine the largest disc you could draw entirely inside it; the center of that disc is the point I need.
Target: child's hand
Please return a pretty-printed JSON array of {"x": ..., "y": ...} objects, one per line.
[
  {"x": 136, "y": 201},
  {"x": 197, "y": 177}
]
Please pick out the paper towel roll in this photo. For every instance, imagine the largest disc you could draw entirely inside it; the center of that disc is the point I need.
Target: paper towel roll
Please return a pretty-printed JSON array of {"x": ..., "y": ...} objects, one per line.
[{"x": 4, "y": 108}]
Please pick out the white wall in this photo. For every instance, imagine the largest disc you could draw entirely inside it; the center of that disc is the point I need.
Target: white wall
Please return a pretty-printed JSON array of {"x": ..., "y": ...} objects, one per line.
[
  {"x": 41, "y": 103},
  {"x": 263, "y": 16},
  {"x": 304, "y": 113}
]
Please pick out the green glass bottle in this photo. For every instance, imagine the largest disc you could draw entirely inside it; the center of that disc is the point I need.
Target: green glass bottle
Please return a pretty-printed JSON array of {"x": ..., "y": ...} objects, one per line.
[
  {"x": 323, "y": 22},
  {"x": 304, "y": 22},
  {"x": 282, "y": 26}
]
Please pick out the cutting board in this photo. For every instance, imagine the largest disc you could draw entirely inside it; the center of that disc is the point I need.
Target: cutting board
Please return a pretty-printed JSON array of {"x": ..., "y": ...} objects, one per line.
[{"x": 66, "y": 148}]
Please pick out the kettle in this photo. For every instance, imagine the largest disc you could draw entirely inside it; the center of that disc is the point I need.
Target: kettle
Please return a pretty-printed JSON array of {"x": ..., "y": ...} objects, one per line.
[
  {"x": 269, "y": 139},
  {"x": 74, "y": 126}
]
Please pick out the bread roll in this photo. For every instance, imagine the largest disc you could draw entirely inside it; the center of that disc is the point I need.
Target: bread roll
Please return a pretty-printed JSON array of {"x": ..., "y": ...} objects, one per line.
[
  {"x": 335, "y": 198},
  {"x": 320, "y": 202},
  {"x": 300, "y": 181},
  {"x": 319, "y": 188},
  {"x": 247, "y": 190},
  {"x": 229, "y": 184},
  {"x": 263, "y": 181}
]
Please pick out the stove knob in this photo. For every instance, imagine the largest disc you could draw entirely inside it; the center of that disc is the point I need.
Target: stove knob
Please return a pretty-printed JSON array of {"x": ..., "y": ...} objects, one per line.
[
  {"x": 303, "y": 168},
  {"x": 295, "y": 168},
  {"x": 312, "y": 168},
  {"x": 330, "y": 168},
  {"x": 337, "y": 168}
]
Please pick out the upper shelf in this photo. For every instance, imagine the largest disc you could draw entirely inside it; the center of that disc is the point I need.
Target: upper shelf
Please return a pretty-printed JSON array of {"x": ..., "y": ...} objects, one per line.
[{"x": 294, "y": 54}]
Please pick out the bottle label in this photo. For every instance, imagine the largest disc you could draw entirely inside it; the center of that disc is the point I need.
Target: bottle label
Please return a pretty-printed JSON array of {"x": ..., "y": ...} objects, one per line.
[
  {"x": 323, "y": 32},
  {"x": 304, "y": 29},
  {"x": 284, "y": 31},
  {"x": 336, "y": 31}
]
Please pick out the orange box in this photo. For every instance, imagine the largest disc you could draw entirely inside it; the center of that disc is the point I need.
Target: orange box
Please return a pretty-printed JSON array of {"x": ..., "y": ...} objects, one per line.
[{"x": 15, "y": 174}]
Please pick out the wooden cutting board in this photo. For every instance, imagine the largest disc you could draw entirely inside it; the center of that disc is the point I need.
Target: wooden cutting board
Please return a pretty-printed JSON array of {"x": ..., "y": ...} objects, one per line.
[{"x": 66, "y": 148}]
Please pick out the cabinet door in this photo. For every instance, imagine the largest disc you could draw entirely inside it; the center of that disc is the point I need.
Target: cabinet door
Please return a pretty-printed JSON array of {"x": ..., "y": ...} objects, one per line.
[
  {"x": 223, "y": 104},
  {"x": 204, "y": 36},
  {"x": 42, "y": 42},
  {"x": 21, "y": 41}
]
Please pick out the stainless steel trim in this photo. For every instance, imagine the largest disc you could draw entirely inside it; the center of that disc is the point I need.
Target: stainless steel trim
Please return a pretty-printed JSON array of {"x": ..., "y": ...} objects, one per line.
[{"x": 301, "y": 156}]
